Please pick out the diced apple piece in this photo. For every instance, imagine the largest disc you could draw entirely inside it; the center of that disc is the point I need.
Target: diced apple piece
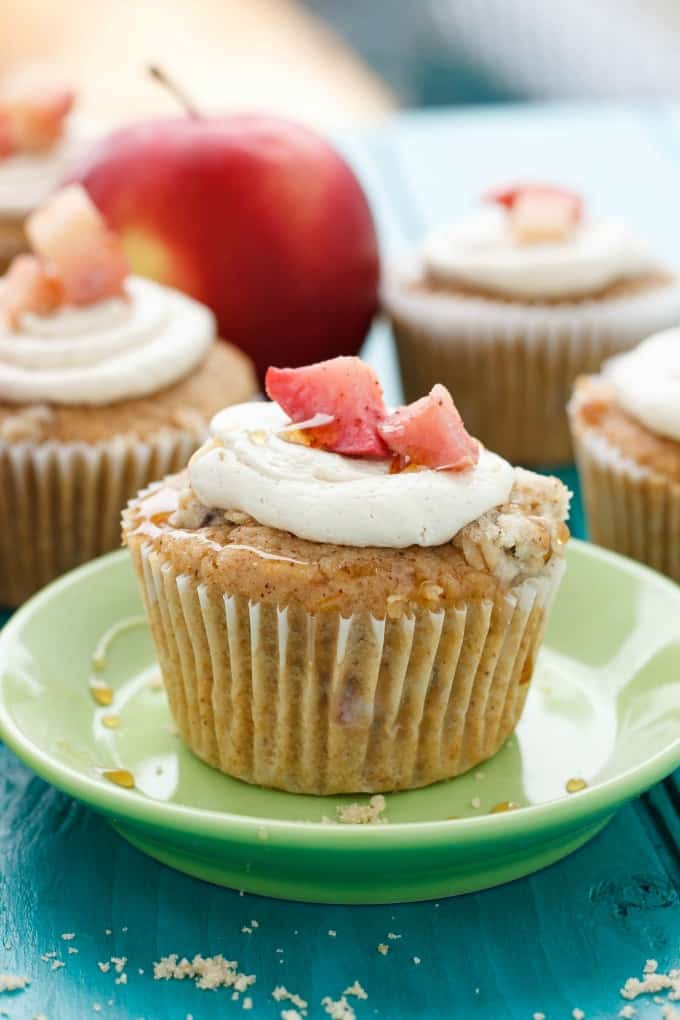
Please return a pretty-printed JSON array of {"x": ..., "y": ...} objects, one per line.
[
  {"x": 28, "y": 287},
  {"x": 539, "y": 212},
  {"x": 36, "y": 104},
  {"x": 430, "y": 432},
  {"x": 344, "y": 388},
  {"x": 541, "y": 216},
  {"x": 70, "y": 233}
]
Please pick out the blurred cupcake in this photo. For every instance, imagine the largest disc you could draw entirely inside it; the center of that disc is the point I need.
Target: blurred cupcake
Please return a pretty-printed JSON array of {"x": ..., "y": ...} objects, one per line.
[
  {"x": 509, "y": 305},
  {"x": 39, "y": 140},
  {"x": 344, "y": 599},
  {"x": 626, "y": 428},
  {"x": 107, "y": 381}
]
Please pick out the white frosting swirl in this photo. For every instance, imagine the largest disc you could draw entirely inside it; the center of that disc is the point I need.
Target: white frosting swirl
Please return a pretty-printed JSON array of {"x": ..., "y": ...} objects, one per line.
[
  {"x": 114, "y": 350},
  {"x": 480, "y": 251},
  {"x": 646, "y": 381},
  {"x": 28, "y": 178},
  {"x": 325, "y": 497}
]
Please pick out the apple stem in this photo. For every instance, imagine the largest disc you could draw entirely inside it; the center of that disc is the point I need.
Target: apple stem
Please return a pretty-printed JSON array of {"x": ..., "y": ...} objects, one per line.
[{"x": 185, "y": 101}]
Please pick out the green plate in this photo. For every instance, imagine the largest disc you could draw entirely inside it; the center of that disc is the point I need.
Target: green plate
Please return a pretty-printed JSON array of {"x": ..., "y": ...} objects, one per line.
[{"x": 604, "y": 707}]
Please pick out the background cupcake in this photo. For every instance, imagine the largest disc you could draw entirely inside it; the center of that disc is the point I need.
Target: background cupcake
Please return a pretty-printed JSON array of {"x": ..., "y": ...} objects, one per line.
[
  {"x": 351, "y": 603},
  {"x": 39, "y": 140},
  {"x": 626, "y": 427},
  {"x": 106, "y": 382},
  {"x": 509, "y": 305}
]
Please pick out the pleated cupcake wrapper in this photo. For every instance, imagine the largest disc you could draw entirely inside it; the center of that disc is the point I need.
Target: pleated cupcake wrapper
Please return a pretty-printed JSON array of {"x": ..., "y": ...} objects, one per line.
[
  {"x": 61, "y": 502},
  {"x": 629, "y": 509},
  {"x": 320, "y": 703},
  {"x": 511, "y": 367}
]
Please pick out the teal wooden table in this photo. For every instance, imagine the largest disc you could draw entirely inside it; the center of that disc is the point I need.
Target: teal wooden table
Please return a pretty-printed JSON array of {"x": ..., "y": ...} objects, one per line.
[{"x": 564, "y": 939}]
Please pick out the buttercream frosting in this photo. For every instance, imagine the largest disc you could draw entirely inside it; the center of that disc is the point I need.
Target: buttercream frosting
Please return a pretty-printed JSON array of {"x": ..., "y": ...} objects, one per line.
[
  {"x": 117, "y": 349},
  {"x": 250, "y": 466},
  {"x": 646, "y": 381},
  {"x": 480, "y": 251},
  {"x": 28, "y": 178}
]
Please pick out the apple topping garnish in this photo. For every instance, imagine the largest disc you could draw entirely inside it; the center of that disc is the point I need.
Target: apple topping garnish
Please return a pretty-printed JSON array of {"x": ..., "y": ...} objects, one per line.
[
  {"x": 338, "y": 406},
  {"x": 77, "y": 260},
  {"x": 539, "y": 212},
  {"x": 430, "y": 433},
  {"x": 347, "y": 390},
  {"x": 28, "y": 287},
  {"x": 34, "y": 104},
  {"x": 69, "y": 233}
]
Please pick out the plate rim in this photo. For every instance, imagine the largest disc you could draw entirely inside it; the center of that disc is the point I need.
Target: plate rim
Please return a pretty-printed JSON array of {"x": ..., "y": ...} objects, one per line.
[{"x": 132, "y": 807}]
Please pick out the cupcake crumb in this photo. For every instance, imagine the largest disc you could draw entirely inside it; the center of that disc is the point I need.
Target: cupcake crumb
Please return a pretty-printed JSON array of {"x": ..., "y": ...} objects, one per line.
[
  {"x": 207, "y": 972},
  {"x": 13, "y": 982},
  {"x": 339, "y": 1009},
  {"x": 363, "y": 814},
  {"x": 356, "y": 990}
]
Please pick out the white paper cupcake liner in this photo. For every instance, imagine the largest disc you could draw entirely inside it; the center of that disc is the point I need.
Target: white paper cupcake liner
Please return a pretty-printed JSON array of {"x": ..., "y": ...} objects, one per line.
[
  {"x": 61, "y": 502},
  {"x": 510, "y": 366},
  {"x": 320, "y": 703},
  {"x": 628, "y": 508}
]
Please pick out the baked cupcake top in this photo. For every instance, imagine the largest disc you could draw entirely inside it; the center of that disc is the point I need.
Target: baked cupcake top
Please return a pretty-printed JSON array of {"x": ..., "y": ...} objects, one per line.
[
  {"x": 634, "y": 404},
  {"x": 345, "y": 496},
  {"x": 535, "y": 241},
  {"x": 77, "y": 329},
  {"x": 40, "y": 138}
]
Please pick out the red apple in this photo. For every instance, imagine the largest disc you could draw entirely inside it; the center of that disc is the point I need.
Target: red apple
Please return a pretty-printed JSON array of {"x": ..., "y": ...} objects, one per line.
[{"x": 257, "y": 217}]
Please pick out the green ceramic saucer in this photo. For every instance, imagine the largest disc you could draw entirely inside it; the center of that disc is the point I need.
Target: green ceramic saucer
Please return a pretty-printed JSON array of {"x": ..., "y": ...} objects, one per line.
[{"x": 604, "y": 707}]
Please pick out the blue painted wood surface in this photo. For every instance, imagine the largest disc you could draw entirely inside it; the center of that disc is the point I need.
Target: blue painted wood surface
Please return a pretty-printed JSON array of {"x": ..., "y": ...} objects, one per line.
[{"x": 563, "y": 939}]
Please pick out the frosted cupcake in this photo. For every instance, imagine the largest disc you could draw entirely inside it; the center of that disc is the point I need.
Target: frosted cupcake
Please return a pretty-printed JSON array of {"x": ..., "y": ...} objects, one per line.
[
  {"x": 510, "y": 304},
  {"x": 39, "y": 140},
  {"x": 345, "y": 599},
  {"x": 626, "y": 426},
  {"x": 107, "y": 381}
]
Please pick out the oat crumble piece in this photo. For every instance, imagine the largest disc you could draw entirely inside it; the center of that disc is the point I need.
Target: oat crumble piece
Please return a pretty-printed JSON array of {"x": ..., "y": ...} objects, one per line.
[
  {"x": 57, "y": 965},
  {"x": 207, "y": 972},
  {"x": 290, "y": 1014},
  {"x": 104, "y": 967},
  {"x": 416, "y": 960},
  {"x": 68, "y": 936},
  {"x": 578, "y": 1014},
  {"x": 332, "y": 932},
  {"x": 382, "y": 948},
  {"x": 476, "y": 802},
  {"x": 538, "y": 1016},
  {"x": 627, "y": 1012}
]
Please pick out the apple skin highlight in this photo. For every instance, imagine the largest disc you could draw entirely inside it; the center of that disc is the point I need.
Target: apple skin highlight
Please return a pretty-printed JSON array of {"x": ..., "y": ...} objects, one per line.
[{"x": 256, "y": 216}]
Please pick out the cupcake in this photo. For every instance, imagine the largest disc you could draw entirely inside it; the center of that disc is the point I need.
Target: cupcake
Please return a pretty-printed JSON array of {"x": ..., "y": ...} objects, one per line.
[
  {"x": 107, "y": 381},
  {"x": 509, "y": 305},
  {"x": 626, "y": 427},
  {"x": 39, "y": 139},
  {"x": 345, "y": 599}
]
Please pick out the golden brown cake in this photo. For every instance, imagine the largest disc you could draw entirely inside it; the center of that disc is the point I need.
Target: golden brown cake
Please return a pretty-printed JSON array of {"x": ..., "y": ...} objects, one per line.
[
  {"x": 626, "y": 427},
  {"x": 107, "y": 382},
  {"x": 398, "y": 654}
]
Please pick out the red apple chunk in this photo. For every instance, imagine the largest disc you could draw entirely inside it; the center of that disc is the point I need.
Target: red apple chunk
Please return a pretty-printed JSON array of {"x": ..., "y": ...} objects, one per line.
[
  {"x": 430, "y": 432},
  {"x": 347, "y": 390},
  {"x": 34, "y": 103},
  {"x": 28, "y": 287},
  {"x": 70, "y": 234},
  {"x": 519, "y": 194}
]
